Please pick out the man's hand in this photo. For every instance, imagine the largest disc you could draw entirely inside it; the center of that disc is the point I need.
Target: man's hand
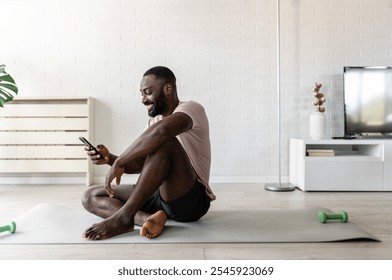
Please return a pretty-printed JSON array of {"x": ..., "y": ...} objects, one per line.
[
  {"x": 115, "y": 171},
  {"x": 97, "y": 159}
]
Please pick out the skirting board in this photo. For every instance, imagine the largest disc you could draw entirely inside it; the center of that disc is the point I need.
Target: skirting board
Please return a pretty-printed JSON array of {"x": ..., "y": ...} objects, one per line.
[
  {"x": 25, "y": 179},
  {"x": 53, "y": 224}
]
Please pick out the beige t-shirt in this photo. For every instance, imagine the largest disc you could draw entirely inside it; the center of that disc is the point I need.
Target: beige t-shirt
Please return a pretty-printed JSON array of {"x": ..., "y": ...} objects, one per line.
[{"x": 196, "y": 141}]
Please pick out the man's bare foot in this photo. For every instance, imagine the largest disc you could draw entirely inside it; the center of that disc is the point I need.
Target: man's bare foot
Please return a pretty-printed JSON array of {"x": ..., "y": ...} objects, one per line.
[
  {"x": 154, "y": 225},
  {"x": 107, "y": 228}
]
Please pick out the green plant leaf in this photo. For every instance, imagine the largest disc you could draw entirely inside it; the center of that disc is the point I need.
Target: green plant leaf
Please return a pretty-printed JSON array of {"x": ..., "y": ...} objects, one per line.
[
  {"x": 2, "y": 68},
  {"x": 8, "y": 87},
  {"x": 2, "y": 101},
  {"x": 11, "y": 87},
  {"x": 7, "y": 78}
]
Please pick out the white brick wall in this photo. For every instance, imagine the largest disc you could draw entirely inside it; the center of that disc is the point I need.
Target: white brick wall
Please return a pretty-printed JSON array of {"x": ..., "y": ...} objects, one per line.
[{"x": 224, "y": 56}]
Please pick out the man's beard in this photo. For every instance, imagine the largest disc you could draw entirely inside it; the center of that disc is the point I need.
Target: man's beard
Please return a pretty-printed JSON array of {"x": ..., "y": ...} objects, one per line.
[{"x": 160, "y": 105}]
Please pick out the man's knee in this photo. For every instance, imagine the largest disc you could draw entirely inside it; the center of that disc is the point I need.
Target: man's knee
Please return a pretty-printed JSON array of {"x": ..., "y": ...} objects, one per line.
[
  {"x": 169, "y": 145},
  {"x": 172, "y": 147},
  {"x": 88, "y": 196}
]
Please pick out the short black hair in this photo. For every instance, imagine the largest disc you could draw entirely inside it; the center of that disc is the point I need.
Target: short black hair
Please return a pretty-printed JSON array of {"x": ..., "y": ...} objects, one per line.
[{"x": 162, "y": 72}]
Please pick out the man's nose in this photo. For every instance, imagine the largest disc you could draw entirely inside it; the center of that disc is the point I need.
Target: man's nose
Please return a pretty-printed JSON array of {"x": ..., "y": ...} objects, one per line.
[{"x": 144, "y": 98}]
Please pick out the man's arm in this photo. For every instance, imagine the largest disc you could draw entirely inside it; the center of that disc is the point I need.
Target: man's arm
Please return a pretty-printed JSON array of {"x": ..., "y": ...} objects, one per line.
[{"x": 154, "y": 137}]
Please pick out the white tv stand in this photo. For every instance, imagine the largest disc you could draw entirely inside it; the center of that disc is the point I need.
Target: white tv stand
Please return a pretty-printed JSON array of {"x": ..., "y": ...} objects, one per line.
[{"x": 358, "y": 165}]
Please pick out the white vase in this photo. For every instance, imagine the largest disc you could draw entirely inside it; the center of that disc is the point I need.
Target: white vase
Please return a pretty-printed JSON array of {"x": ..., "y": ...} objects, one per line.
[{"x": 317, "y": 125}]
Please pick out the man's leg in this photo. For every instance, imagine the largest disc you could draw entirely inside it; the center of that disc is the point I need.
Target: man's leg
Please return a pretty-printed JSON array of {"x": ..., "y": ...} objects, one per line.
[
  {"x": 169, "y": 170},
  {"x": 97, "y": 201}
]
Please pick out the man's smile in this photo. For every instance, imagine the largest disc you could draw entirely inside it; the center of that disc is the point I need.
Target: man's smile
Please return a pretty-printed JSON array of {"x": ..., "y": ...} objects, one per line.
[{"x": 150, "y": 106}]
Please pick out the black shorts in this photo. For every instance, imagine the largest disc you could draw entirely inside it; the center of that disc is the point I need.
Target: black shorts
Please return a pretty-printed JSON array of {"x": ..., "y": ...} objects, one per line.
[{"x": 187, "y": 208}]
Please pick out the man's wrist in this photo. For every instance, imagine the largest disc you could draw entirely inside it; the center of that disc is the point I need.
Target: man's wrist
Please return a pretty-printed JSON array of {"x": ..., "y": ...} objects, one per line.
[
  {"x": 118, "y": 161},
  {"x": 112, "y": 159}
]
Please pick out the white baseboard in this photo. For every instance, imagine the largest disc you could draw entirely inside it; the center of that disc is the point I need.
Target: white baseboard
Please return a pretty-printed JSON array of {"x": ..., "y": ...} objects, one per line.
[
  {"x": 128, "y": 179},
  {"x": 131, "y": 179},
  {"x": 42, "y": 180},
  {"x": 245, "y": 179}
]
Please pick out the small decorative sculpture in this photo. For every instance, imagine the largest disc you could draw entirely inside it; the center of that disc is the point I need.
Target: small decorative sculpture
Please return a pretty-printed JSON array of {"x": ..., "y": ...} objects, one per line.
[{"x": 319, "y": 98}]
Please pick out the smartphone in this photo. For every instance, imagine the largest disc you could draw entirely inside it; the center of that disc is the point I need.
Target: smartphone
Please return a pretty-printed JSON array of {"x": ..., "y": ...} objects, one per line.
[{"x": 84, "y": 140}]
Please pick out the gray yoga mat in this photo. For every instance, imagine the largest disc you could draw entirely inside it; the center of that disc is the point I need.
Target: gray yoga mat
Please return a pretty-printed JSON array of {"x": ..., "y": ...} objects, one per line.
[{"x": 53, "y": 224}]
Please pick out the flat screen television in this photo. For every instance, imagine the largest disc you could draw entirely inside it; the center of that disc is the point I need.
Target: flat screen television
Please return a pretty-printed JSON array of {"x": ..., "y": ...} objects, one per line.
[{"x": 367, "y": 101}]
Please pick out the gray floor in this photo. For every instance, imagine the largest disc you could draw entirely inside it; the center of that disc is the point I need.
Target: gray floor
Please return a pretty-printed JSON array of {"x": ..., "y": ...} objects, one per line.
[{"x": 370, "y": 211}]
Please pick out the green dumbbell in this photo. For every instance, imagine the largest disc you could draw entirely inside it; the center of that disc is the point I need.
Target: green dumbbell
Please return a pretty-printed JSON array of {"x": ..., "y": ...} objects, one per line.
[
  {"x": 324, "y": 217},
  {"x": 11, "y": 227}
]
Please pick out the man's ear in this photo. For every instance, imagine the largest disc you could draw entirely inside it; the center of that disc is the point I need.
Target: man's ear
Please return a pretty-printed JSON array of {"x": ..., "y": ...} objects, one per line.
[{"x": 168, "y": 88}]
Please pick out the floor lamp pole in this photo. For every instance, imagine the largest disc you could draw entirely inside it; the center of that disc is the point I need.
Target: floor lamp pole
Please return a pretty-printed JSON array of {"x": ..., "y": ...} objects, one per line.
[{"x": 279, "y": 186}]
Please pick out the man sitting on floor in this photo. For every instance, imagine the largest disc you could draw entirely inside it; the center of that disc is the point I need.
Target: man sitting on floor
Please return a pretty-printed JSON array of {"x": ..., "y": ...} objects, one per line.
[{"x": 173, "y": 157}]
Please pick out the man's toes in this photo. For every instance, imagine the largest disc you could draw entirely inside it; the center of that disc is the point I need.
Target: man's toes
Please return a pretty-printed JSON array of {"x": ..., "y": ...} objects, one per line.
[
  {"x": 143, "y": 231},
  {"x": 91, "y": 234}
]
